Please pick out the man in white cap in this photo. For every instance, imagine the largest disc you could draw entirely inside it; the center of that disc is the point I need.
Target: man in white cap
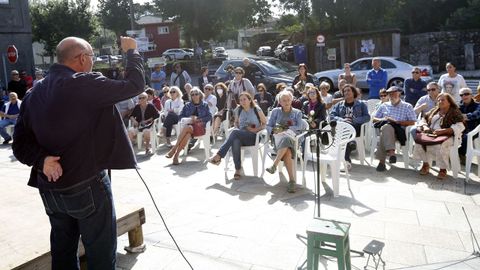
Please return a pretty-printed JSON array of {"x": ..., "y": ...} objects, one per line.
[{"x": 391, "y": 118}]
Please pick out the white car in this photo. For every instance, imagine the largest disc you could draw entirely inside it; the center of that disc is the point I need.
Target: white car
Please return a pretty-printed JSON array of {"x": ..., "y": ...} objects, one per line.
[
  {"x": 398, "y": 71},
  {"x": 174, "y": 54}
]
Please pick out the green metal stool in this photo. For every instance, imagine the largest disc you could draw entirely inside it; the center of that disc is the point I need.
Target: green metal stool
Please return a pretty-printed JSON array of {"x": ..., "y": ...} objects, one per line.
[{"x": 323, "y": 234}]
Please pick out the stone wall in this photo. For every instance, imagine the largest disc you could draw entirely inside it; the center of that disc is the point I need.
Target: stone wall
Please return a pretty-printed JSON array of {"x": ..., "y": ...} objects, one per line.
[{"x": 438, "y": 48}]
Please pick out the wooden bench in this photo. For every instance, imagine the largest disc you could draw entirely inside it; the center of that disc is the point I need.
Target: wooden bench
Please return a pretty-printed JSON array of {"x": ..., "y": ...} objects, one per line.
[{"x": 129, "y": 219}]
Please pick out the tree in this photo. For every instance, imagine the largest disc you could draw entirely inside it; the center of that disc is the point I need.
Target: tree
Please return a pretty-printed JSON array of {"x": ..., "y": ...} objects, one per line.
[
  {"x": 465, "y": 17},
  {"x": 54, "y": 20},
  {"x": 205, "y": 19},
  {"x": 115, "y": 15}
]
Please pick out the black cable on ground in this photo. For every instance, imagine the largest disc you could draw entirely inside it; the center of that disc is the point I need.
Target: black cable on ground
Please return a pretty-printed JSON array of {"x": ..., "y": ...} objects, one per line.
[{"x": 164, "y": 223}]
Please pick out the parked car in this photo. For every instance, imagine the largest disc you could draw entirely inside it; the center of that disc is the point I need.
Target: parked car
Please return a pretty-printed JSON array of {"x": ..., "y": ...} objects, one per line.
[
  {"x": 220, "y": 53},
  {"x": 398, "y": 70},
  {"x": 213, "y": 65},
  {"x": 286, "y": 54},
  {"x": 107, "y": 59},
  {"x": 265, "y": 51},
  {"x": 267, "y": 73},
  {"x": 190, "y": 50},
  {"x": 174, "y": 54}
]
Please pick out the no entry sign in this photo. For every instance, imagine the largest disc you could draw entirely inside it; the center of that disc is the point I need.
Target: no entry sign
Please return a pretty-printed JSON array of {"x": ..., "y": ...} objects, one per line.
[{"x": 12, "y": 54}]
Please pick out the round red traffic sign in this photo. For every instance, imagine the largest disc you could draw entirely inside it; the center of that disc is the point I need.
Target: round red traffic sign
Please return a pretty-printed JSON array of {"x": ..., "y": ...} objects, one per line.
[
  {"x": 12, "y": 54},
  {"x": 320, "y": 39}
]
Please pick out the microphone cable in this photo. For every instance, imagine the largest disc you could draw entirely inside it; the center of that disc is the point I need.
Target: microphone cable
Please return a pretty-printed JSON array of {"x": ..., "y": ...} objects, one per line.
[{"x": 163, "y": 220}]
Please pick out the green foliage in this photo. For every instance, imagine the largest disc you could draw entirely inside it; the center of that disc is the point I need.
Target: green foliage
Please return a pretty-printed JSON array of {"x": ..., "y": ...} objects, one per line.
[
  {"x": 466, "y": 17},
  {"x": 54, "y": 20},
  {"x": 115, "y": 15},
  {"x": 206, "y": 19}
]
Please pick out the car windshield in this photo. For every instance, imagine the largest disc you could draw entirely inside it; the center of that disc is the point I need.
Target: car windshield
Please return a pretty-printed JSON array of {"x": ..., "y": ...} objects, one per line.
[
  {"x": 287, "y": 67},
  {"x": 403, "y": 60},
  {"x": 270, "y": 68}
]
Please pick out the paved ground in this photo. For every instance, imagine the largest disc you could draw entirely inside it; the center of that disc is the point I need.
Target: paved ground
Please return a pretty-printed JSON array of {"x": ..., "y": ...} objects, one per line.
[{"x": 253, "y": 223}]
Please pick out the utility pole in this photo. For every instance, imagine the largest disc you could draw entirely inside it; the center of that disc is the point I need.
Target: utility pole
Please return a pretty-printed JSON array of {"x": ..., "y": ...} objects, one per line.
[
  {"x": 131, "y": 15},
  {"x": 304, "y": 7}
]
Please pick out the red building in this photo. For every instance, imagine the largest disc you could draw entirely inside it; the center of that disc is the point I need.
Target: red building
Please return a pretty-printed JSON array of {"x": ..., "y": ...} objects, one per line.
[{"x": 161, "y": 34}]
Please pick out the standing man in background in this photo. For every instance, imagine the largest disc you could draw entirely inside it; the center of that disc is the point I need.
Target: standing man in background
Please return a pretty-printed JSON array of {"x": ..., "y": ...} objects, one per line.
[
  {"x": 158, "y": 79},
  {"x": 70, "y": 132},
  {"x": 376, "y": 79}
]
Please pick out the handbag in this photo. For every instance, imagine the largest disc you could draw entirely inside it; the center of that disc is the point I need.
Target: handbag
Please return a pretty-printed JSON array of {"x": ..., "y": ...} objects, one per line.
[
  {"x": 198, "y": 128},
  {"x": 429, "y": 139}
]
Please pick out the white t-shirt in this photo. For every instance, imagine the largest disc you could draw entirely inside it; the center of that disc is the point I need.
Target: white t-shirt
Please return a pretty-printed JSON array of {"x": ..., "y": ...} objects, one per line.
[
  {"x": 452, "y": 85},
  {"x": 328, "y": 99}
]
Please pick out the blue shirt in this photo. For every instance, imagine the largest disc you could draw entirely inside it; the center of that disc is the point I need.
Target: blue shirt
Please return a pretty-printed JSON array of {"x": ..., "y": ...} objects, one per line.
[
  {"x": 158, "y": 76},
  {"x": 376, "y": 80},
  {"x": 12, "y": 109},
  {"x": 414, "y": 90},
  {"x": 401, "y": 112}
]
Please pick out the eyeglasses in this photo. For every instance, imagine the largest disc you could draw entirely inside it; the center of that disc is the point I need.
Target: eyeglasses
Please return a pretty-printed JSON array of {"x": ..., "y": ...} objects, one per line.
[
  {"x": 195, "y": 94},
  {"x": 465, "y": 94},
  {"x": 383, "y": 96},
  {"x": 431, "y": 89},
  {"x": 415, "y": 72},
  {"x": 209, "y": 89},
  {"x": 172, "y": 92}
]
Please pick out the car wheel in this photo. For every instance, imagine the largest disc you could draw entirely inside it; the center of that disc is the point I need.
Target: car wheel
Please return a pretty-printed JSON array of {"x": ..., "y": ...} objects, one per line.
[
  {"x": 327, "y": 80},
  {"x": 168, "y": 58},
  {"x": 396, "y": 82}
]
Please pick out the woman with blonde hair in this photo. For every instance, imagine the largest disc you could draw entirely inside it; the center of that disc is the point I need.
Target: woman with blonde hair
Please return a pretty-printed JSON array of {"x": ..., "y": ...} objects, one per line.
[{"x": 171, "y": 111}]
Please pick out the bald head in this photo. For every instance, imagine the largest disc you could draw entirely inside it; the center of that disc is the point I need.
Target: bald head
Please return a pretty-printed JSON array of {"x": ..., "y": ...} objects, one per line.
[{"x": 70, "y": 47}]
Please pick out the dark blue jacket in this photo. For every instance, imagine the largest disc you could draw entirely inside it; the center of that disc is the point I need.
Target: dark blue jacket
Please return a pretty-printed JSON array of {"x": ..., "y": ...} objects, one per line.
[
  {"x": 360, "y": 113},
  {"x": 73, "y": 115},
  {"x": 473, "y": 115},
  {"x": 376, "y": 80},
  {"x": 202, "y": 110},
  {"x": 414, "y": 90}
]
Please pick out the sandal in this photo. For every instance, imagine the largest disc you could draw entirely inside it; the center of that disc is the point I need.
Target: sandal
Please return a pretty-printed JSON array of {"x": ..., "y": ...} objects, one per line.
[
  {"x": 215, "y": 161},
  {"x": 175, "y": 161},
  {"x": 271, "y": 169},
  {"x": 425, "y": 169},
  {"x": 442, "y": 174},
  {"x": 169, "y": 155}
]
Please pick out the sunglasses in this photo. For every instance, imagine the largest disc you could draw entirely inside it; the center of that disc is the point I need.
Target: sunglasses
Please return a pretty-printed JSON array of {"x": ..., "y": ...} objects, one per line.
[
  {"x": 431, "y": 89},
  {"x": 209, "y": 89},
  {"x": 194, "y": 94},
  {"x": 415, "y": 72},
  {"x": 172, "y": 92},
  {"x": 466, "y": 94},
  {"x": 383, "y": 95}
]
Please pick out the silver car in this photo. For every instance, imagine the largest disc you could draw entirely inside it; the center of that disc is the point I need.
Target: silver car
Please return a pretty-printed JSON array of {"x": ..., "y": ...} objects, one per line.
[
  {"x": 398, "y": 71},
  {"x": 174, "y": 54}
]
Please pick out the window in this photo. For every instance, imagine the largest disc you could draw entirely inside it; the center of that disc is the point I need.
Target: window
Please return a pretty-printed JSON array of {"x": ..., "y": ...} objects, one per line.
[
  {"x": 163, "y": 30},
  {"x": 362, "y": 65},
  {"x": 387, "y": 64}
]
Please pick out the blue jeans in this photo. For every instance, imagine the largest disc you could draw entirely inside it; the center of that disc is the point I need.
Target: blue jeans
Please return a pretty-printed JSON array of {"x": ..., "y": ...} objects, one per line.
[
  {"x": 236, "y": 140},
  {"x": 84, "y": 209},
  {"x": 3, "y": 124}
]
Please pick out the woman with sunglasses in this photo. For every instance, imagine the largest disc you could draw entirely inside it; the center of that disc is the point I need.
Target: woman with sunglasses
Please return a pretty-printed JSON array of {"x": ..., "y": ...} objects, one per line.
[
  {"x": 452, "y": 82},
  {"x": 314, "y": 108},
  {"x": 240, "y": 84},
  {"x": 195, "y": 110},
  {"x": 249, "y": 119},
  {"x": 171, "y": 111},
  {"x": 263, "y": 98},
  {"x": 142, "y": 118}
]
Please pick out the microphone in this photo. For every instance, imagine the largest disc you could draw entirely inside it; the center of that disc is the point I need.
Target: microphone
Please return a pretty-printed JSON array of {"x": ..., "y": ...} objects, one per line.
[{"x": 333, "y": 124}]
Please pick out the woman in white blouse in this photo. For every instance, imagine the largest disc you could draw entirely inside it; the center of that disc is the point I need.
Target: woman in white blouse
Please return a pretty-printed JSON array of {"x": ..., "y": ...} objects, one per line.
[{"x": 171, "y": 111}]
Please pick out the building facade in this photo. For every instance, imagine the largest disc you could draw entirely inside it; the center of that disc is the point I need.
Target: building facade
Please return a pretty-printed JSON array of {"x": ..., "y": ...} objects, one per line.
[
  {"x": 161, "y": 34},
  {"x": 15, "y": 29}
]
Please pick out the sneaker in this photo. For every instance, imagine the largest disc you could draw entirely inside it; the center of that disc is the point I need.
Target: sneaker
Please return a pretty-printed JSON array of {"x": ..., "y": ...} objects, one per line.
[
  {"x": 381, "y": 167},
  {"x": 425, "y": 169},
  {"x": 271, "y": 169},
  {"x": 442, "y": 174},
  {"x": 7, "y": 141},
  {"x": 291, "y": 187},
  {"x": 392, "y": 159}
]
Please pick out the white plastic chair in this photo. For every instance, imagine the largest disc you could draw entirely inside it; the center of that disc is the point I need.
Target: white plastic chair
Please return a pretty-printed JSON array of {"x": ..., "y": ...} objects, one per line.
[
  {"x": 298, "y": 154},
  {"x": 335, "y": 154},
  {"x": 261, "y": 142},
  {"x": 205, "y": 139},
  {"x": 405, "y": 148},
  {"x": 361, "y": 143},
  {"x": 369, "y": 130},
  {"x": 473, "y": 149},
  {"x": 153, "y": 137}
]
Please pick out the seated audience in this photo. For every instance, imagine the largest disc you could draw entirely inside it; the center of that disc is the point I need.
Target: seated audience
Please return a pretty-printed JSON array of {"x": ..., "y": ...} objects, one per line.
[
  {"x": 471, "y": 116},
  {"x": 427, "y": 102},
  {"x": 263, "y": 98},
  {"x": 249, "y": 120},
  {"x": 443, "y": 120},
  {"x": 9, "y": 115},
  {"x": 195, "y": 111},
  {"x": 142, "y": 117},
  {"x": 171, "y": 111},
  {"x": 391, "y": 118}
]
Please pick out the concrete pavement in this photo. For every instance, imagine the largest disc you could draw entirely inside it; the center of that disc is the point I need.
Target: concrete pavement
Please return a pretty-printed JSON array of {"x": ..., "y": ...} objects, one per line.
[{"x": 253, "y": 223}]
